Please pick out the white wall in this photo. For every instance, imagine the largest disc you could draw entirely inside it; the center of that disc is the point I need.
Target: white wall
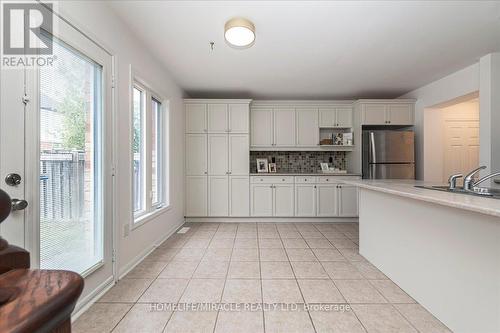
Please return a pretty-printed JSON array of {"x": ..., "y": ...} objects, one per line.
[
  {"x": 463, "y": 82},
  {"x": 100, "y": 23}
]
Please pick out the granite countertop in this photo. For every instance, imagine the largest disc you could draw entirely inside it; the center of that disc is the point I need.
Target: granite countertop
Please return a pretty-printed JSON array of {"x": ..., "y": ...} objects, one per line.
[
  {"x": 406, "y": 188},
  {"x": 313, "y": 174}
]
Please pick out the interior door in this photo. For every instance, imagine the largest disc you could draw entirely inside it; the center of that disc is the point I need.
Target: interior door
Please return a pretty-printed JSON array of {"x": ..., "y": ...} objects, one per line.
[
  {"x": 461, "y": 147},
  {"x": 63, "y": 152}
]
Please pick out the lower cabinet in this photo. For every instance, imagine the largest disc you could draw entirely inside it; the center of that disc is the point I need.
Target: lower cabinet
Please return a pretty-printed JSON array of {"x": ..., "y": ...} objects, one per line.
[
  {"x": 305, "y": 200},
  {"x": 261, "y": 199},
  {"x": 239, "y": 196},
  {"x": 283, "y": 200},
  {"x": 196, "y": 196},
  {"x": 327, "y": 200},
  {"x": 272, "y": 199},
  {"x": 228, "y": 196},
  {"x": 348, "y": 200}
]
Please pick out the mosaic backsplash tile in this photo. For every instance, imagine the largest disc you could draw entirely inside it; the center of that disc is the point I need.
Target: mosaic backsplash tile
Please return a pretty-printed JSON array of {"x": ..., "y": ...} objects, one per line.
[{"x": 299, "y": 161}]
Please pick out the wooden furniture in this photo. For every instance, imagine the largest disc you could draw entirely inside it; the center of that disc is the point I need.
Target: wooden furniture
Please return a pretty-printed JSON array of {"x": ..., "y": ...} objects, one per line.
[{"x": 33, "y": 300}]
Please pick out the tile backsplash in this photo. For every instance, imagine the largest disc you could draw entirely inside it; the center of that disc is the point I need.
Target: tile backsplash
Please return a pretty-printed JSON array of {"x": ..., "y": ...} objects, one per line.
[{"x": 299, "y": 161}]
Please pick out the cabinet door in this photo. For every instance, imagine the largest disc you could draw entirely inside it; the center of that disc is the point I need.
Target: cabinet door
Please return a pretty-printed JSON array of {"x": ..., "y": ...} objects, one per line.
[
  {"x": 196, "y": 118},
  {"x": 307, "y": 127},
  {"x": 239, "y": 196},
  {"x": 218, "y": 154},
  {"x": 284, "y": 127},
  {"x": 305, "y": 200},
  {"x": 239, "y": 154},
  {"x": 348, "y": 200},
  {"x": 283, "y": 199},
  {"x": 218, "y": 196},
  {"x": 217, "y": 118},
  {"x": 374, "y": 114},
  {"x": 344, "y": 117},
  {"x": 238, "y": 118},
  {"x": 327, "y": 200},
  {"x": 261, "y": 127},
  {"x": 400, "y": 114},
  {"x": 196, "y": 196},
  {"x": 327, "y": 117},
  {"x": 196, "y": 154},
  {"x": 261, "y": 200}
]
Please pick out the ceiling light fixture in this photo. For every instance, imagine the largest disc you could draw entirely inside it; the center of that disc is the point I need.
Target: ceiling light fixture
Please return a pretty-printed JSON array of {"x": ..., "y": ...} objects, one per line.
[{"x": 239, "y": 33}]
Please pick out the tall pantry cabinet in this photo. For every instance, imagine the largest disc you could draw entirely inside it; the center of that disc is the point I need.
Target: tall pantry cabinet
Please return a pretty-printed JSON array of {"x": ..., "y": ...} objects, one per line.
[{"x": 217, "y": 158}]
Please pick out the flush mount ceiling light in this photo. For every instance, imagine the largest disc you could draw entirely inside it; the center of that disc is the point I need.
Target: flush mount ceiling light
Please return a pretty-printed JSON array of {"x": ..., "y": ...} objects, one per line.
[{"x": 239, "y": 33}]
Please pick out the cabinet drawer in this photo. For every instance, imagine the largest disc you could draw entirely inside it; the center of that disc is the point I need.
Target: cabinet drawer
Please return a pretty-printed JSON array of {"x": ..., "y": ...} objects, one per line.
[
  {"x": 271, "y": 180},
  {"x": 305, "y": 180},
  {"x": 329, "y": 180}
]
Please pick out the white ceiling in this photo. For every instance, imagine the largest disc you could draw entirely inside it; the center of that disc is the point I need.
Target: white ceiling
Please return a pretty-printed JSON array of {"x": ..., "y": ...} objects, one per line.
[{"x": 315, "y": 50}]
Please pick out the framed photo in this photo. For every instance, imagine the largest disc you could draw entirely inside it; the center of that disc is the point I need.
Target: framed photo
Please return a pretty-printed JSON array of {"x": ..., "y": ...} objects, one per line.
[
  {"x": 272, "y": 167},
  {"x": 262, "y": 165},
  {"x": 324, "y": 166}
]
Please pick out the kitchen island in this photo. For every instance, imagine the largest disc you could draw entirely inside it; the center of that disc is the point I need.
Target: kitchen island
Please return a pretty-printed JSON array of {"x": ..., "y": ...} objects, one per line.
[{"x": 442, "y": 248}]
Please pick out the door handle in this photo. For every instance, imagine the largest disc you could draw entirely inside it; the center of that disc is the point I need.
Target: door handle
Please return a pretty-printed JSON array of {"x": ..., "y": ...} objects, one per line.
[{"x": 19, "y": 204}]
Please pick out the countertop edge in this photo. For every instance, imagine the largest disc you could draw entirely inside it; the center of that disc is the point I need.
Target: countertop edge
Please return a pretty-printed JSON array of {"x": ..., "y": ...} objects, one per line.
[
  {"x": 308, "y": 174},
  {"x": 439, "y": 201}
]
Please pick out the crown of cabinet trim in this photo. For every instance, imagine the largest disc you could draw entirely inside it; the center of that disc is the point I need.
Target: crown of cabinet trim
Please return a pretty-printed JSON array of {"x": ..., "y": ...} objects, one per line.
[
  {"x": 300, "y": 103},
  {"x": 216, "y": 101}
]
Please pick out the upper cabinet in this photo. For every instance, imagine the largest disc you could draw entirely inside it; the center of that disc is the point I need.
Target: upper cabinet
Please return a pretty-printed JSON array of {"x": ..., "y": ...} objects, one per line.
[
  {"x": 340, "y": 117},
  {"x": 261, "y": 131},
  {"x": 387, "y": 112},
  {"x": 239, "y": 115},
  {"x": 307, "y": 127},
  {"x": 196, "y": 118},
  {"x": 284, "y": 127}
]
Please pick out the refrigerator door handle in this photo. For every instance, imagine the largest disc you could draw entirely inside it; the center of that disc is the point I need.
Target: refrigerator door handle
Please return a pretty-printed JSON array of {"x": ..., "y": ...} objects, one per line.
[{"x": 373, "y": 151}]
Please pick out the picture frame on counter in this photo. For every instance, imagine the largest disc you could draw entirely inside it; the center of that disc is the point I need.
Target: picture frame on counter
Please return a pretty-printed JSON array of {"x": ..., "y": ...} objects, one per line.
[
  {"x": 262, "y": 165},
  {"x": 272, "y": 167}
]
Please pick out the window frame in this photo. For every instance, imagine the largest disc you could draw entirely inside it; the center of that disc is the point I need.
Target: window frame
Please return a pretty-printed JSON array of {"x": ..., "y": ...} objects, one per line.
[{"x": 151, "y": 210}]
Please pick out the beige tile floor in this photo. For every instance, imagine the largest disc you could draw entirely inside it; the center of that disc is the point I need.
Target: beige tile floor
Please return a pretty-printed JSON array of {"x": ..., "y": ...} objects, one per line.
[{"x": 259, "y": 264}]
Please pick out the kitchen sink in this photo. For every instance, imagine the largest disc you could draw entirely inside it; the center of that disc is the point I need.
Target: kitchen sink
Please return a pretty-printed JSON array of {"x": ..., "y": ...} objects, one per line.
[{"x": 477, "y": 191}]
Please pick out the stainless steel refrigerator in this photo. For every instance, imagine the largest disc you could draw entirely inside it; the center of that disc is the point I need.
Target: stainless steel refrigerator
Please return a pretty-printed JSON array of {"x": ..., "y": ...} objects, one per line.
[{"x": 388, "y": 154}]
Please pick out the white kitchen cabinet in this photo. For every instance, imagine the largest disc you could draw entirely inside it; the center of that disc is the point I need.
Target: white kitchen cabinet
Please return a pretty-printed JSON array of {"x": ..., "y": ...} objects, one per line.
[
  {"x": 238, "y": 118},
  {"x": 340, "y": 117},
  {"x": 261, "y": 200},
  {"x": 327, "y": 200},
  {"x": 239, "y": 196},
  {"x": 387, "y": 114},
  {"x": 218, "y": 154},
  {"x": 196, "y": 118},
  {"x": 261, "y": 129},
  {"x": 348, "y": 200},
  {"x": 283, "y": 200},
  {"x": 284, "y": 127},
  {"x": 217, "y": 118},
  {"x": 196, "y": 200},
  {"x": 307, "y": 127},
  {"x": 196, "y": 154},
  {"x": 239, "y": 157},
  {"x": 218, "y": 196},
  {"x": 305, "y": 200}
]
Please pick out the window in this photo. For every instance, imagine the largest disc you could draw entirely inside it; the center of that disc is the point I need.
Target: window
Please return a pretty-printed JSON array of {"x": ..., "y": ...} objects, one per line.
[{"x": 149, "y": 152}]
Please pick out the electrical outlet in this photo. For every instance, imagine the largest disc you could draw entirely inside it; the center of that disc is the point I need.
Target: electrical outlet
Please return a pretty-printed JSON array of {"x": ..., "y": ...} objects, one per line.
[{"x": 126, "y": 230}]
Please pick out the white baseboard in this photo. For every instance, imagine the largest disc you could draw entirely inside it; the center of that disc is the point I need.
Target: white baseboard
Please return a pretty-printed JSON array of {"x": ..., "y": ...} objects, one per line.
[
  {"x": 140, "y": 257},
  {"x": 272, "y": 219}
]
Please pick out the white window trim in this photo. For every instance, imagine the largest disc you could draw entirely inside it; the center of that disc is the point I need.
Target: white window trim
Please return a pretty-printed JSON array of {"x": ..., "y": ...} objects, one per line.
[{"x": 150, "y": 211}]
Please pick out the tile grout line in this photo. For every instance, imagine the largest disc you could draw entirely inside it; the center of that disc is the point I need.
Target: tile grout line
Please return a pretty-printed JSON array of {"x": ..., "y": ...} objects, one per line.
[{"x": 261, "y": 287}]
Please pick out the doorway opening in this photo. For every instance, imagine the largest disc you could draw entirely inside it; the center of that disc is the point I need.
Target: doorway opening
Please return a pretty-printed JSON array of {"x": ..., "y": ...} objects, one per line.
[{"x": 451, "y": 138}]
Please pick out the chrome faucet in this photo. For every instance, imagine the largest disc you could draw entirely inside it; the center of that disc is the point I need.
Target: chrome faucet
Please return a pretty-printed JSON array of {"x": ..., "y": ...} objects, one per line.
[
  {"x": 452, "y": 181},
  {"x": 469, "y": 178},
  {"x": 496, "y": 174}
]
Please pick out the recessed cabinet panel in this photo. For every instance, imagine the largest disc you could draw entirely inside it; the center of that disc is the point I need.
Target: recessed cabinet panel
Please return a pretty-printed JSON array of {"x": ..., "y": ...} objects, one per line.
[
  {"x": 400, "y": 114},
  {"x": 196, "y": 154},
  {"x": 327, "y": 201},
  {"x": 261, "y": 200},
  {"x": 326, "y": 117},
  {"x": 348, "y": 206},
  {"x": 283, "y": 200},
  {"x": 238, "y": 118},
  {"x": 239, "y": 200},
  {"x": 196, "y": 119},
  {"x": 217, "y": 118},
  {"x": 374, "y": 114},
  {"x": 307, "y": 127},
  {"x": 239, "y": 158},
  {"x": 196, "y": 196},
  {"x": 284, "y": 127},
  {"x": 218, "y": 199},
  {"x": 218, "y": 154},
  {"x": 261, "y": 127},
  {"x": 344, "y": 117},
  {"x": 305, "y": 200}
]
